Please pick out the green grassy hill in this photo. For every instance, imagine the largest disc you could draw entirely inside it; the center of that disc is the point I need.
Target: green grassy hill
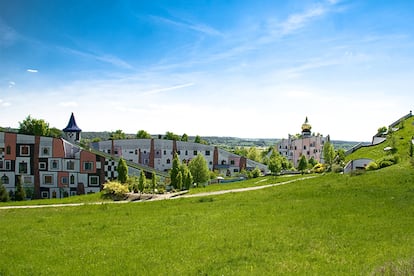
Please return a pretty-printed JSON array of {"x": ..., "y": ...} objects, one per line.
[
  {"x": 332, "y": 225},
  {"x": 401, "y": 141}
]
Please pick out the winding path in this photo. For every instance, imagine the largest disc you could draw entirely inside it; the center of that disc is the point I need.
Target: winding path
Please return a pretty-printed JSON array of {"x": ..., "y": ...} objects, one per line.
[{"x": 165, "y": 196}]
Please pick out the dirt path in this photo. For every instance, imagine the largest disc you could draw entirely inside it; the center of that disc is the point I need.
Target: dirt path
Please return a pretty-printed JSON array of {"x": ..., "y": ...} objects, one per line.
[{"x": 164, "y": 196}]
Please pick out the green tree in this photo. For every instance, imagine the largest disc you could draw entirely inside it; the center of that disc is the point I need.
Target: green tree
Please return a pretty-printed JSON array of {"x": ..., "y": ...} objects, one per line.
[
  {"x": 179, "y": 182},
  {"x": 199, "y": 140},
  {"x": 32, "y": 126},
  {"x": 312, "y": 162},
  {"x": 122, "y": 170},
  {"x": 254, "y": 154},
  {"x": 171, "y": 136},
  {"x": 4, "y": 195},
  {"x": 188, "y": 180},
  {"x": 142, "y": 181},
  {"x": 382, "y": 130},
  {"x": 275, "y": 163},
  {"x": 117, "y": 135},
  {"x": 20, "y": 193},
  {"x": 184, "y": 138},
  {"x": 199, "y": 169},
  {"x": 55, "y": 132},
  {"x": 328, "y": 153},
  {"x": 153, "y": 181},
  {"x": 175, "y": 169},
  {"x": 142, "y": 134},
  {"x": 340, "y": 156},
  {"x": 303, "y": 164}
]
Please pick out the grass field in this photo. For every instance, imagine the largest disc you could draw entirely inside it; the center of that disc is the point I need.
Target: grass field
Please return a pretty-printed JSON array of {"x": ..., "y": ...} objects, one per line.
[{"x": 332, "y": 225}]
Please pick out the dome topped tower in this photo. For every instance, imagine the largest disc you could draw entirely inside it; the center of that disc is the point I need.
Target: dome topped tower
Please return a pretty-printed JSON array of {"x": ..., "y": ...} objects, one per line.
[
  {"x": 72, "y": 131},
  {"x": 306, "y": 128}
]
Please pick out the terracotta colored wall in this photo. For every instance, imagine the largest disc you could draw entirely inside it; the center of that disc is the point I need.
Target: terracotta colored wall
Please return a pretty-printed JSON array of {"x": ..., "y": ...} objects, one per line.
[
  {"x": 86, "y": 156},
  {"x": 58, "y": 150},
  {"x": 10, "y": 139}
]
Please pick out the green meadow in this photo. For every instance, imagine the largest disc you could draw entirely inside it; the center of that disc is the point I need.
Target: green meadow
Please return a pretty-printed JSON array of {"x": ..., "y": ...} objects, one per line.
[{"x": 333, "y": 224}]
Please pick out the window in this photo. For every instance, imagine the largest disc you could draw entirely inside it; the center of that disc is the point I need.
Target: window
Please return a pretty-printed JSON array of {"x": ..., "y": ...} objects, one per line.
[
  {"x": 27, "y": 180},
  {"x": 64, "y": 180},
  {"x": 236, "y": 170},
  {"x": 211, "y": 162},
  {"x": 23, "y": 167},
  {"x": 72, "y": 179},
  {"x": 55, "y": 164},
  {"x": 1, "y": 164},
  {"x": 178, "y": 152},
  {"x": 42, "y": 165},
  {"x": 195, "y": 152},
  {"x": 8, "y": 150},
  {"x": 1, "y": 150},
  {"x": 24, "y": 150},
  {"x": 94, "y": 180},
  {"x": 304, "y": 147},
  {"x": 8, "y": 165},
  {"x": 109, "y": 151},
  {"x": 207, "y": 152},
  {"x": 168, "y": 161},
  {"x": 231, "y": 162},
  {"x": 5, "y": 179},
  {"x": 165, "y": 152},
  {"x": 45, "y": 194},
  {"x": 46, "y": 151},
  {"x": 186, "y": 152},
  {"x": 48, "y": 179},
  {"x": 88, "y": 166},
  {"x": 70, "y": 165}
]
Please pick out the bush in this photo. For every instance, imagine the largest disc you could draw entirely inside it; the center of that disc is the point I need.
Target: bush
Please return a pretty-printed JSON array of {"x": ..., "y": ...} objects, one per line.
[
  {"x": 372, "y": 166},
  {"x": 389, "y": 161},
  {"x": 256, "y": 173},
  {"x": 385, "y": 163},
  {"x": 115, "y": 190},
  {"x": 336, "y": 168},
  {"x": 318, "y": 168}
]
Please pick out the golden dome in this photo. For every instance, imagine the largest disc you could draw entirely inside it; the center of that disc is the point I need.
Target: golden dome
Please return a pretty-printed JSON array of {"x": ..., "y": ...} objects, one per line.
[{"x": 306, "y": 126}]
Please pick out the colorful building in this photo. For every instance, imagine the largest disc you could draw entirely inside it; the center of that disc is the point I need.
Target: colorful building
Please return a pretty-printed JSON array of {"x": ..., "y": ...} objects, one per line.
[
  {"x": 306, "y": 143},
  {"x": 49, "y": 167}
]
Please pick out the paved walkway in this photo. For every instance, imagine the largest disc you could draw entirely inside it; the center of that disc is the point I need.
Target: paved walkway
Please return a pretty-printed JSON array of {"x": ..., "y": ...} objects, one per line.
[{"x": 164, "y": 196}]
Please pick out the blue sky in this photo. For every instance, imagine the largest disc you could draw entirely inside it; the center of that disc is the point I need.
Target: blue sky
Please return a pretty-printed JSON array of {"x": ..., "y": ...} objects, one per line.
[{"x": 252, "y": 69}]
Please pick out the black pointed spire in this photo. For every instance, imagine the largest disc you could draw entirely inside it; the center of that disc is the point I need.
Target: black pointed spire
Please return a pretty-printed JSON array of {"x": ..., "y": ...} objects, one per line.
[{"x": 72, "y": 127}]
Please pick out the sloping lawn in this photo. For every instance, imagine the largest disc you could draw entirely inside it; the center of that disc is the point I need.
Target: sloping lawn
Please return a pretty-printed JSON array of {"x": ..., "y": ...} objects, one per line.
[{"x": 331, "y": 225}]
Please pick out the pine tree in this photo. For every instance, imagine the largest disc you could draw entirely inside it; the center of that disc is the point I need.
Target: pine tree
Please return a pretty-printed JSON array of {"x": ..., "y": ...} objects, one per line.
[
  {"x": 141, "y": 182},
  {"x": 4, "y": 195},
  {"x": 20, "y": 194},
  {"x": 122, "y": 171},
  {"x": 303, "y": 164},
  {"x": 175, "y": 170}
]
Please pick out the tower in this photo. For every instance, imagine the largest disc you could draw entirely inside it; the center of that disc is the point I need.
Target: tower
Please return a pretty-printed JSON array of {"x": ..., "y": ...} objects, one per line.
[
  {"x": 72, "y": 131},
  {"x": 306, "y": 128}
]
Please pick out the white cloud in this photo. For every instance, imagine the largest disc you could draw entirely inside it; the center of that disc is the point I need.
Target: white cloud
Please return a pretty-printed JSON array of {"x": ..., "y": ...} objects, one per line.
[
  {"x": 186, "y": 24},
  {"x": 8, "y": 35},
  {"x": 32, "y": 70}
]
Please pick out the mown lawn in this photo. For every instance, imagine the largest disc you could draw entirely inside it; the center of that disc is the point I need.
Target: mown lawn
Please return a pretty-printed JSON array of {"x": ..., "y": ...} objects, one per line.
[{"x": 331, "y": 225}]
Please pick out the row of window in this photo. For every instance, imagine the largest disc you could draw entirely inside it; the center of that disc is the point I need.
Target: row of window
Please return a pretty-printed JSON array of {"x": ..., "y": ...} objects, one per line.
[
  {"x": 24, "y": 150},
  {"x": 48, "y": 179},
  {"x": 195, "y": 152},
  {"x": 54, "y": 165}
]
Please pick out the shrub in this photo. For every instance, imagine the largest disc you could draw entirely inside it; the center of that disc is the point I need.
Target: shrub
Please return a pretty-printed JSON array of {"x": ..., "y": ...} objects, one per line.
[
  {"x": 318, "y": 168},
  {"x": 388, "y": 161},
  {"x": 256, "y": 173},
  {"x": 336, "y": 168},
  {"x": 114, "y": 190},
  {"x": 4, "y": 195},
  {"x": 372, "y": 166},
  {"x": 385, "y": 163}
]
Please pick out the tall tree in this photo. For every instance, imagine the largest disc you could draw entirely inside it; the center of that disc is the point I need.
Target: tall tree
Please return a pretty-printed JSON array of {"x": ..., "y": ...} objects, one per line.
[
  {"x": 122, "y": 170},
  {"x": 199, "y": 169},
  {"x": 20, "y": 193},
  {"x": 188, "y": 180},
  {"x": 254, "y": 154},
  {"x": 275, "y": 163},
  {"x": 32, "y": 126},
  {"x": 303, "y": 164},
  {"x": 199, "y": 140},
  {"x": 142, "y": 134},
  {"x": 179, "y": 182},
  {"x": 153, "y": 181},
  {"x": 142, "y": 181},
  {"x": 175, "y": 170},
  {"x": 328, "y": 153}
]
